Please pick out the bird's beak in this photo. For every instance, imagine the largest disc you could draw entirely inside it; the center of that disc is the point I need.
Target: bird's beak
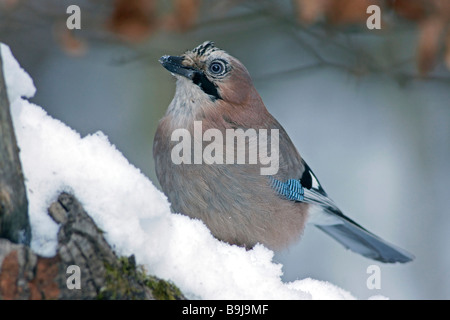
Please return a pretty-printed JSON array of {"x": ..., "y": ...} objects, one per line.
[{"x": 174, "y": 65}]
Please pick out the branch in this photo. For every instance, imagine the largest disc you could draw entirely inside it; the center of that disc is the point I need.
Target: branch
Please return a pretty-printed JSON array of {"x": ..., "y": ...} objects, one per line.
[{"x": 103, "y": 275}]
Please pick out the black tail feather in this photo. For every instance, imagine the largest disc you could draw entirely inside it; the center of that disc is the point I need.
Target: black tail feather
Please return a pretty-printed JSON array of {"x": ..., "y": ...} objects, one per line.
[
  {"x": 361, "y": 241},
  {"x": 353, "y": 236}
]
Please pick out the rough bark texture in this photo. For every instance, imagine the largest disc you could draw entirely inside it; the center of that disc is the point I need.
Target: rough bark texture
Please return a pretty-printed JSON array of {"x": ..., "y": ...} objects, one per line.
[
  {"x": 25, "y": 275},
  {"x": 14, "y": 224}
]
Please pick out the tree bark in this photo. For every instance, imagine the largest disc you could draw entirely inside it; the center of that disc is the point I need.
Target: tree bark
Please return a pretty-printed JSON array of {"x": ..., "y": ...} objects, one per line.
[
  {"x": 81, "y": 245},
  {"x": 14, "y": 223}
]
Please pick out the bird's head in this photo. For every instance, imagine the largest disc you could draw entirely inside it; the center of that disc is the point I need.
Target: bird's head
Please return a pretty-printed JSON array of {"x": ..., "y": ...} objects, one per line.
[{"x": 212, "y": 72}]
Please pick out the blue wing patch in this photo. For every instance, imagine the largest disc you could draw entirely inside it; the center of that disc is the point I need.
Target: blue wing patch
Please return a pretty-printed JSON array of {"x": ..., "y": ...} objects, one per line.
[{"x": 292, "y": 189}]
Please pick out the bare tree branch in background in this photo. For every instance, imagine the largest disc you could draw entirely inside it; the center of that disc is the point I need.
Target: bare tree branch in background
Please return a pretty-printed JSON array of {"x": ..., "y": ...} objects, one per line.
[{"x": 136, "y": 21}]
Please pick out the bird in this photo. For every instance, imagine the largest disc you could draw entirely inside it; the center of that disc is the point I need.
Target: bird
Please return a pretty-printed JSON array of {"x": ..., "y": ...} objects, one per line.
[{"x": 240, "y": 205}]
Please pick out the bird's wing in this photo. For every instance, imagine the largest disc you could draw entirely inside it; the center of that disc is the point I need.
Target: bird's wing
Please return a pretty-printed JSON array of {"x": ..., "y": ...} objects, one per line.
[{"x": 326, "y": 216}]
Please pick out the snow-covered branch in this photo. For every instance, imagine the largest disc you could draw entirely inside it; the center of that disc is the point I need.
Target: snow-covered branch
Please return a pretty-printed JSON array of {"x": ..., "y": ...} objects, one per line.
[{"x": 133, "y": 215}]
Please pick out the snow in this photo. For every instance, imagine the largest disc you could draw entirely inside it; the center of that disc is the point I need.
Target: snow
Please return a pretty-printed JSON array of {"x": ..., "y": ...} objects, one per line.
[{"x": 134, "y": 214}]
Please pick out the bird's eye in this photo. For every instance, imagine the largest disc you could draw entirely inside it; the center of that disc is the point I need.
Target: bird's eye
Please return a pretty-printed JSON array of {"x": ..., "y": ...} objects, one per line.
[{"x": 217, "y": 67}]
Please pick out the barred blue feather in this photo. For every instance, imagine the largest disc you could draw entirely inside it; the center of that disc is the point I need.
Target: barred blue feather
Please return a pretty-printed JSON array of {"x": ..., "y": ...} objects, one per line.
[{"x": 292, "y": 189}]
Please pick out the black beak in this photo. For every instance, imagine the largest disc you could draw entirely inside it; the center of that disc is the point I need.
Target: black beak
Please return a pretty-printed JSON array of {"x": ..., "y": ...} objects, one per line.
[{"x": 174, "y": 65}]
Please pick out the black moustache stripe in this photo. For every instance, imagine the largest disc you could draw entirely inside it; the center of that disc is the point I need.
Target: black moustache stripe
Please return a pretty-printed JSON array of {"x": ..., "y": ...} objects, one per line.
[{"x": 207, "y": 86}]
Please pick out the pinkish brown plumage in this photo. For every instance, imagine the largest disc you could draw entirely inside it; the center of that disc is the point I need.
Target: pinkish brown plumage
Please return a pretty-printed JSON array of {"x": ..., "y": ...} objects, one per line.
[{"x": 238, "y": 203}]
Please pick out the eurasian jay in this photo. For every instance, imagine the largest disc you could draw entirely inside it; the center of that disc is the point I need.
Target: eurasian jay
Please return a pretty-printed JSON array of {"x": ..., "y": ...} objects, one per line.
[{"x": 238, "y": 203}]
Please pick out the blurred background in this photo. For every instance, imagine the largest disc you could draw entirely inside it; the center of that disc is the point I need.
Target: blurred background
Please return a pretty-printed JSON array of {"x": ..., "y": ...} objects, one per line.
[{"x": 369, "y": 110}]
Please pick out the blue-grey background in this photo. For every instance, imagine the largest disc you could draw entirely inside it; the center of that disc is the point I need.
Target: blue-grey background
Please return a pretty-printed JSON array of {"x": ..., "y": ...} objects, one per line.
[{"x": 376, "y": 134}]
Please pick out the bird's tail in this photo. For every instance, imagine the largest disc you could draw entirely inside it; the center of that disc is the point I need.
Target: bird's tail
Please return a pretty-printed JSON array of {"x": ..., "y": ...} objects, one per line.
[{"x": 350, "y": 234}]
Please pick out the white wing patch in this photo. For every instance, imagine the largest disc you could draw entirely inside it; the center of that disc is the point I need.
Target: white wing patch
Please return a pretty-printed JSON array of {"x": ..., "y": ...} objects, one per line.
[{"x": 315, "y": 183}]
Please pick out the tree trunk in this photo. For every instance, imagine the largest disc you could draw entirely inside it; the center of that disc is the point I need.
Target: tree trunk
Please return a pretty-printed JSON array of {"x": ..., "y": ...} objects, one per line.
[{"x": 14, "y": 223}]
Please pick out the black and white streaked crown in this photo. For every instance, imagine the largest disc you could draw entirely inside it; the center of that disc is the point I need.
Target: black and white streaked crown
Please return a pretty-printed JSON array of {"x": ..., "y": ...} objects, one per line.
[{"x": 205, "y": 48}]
